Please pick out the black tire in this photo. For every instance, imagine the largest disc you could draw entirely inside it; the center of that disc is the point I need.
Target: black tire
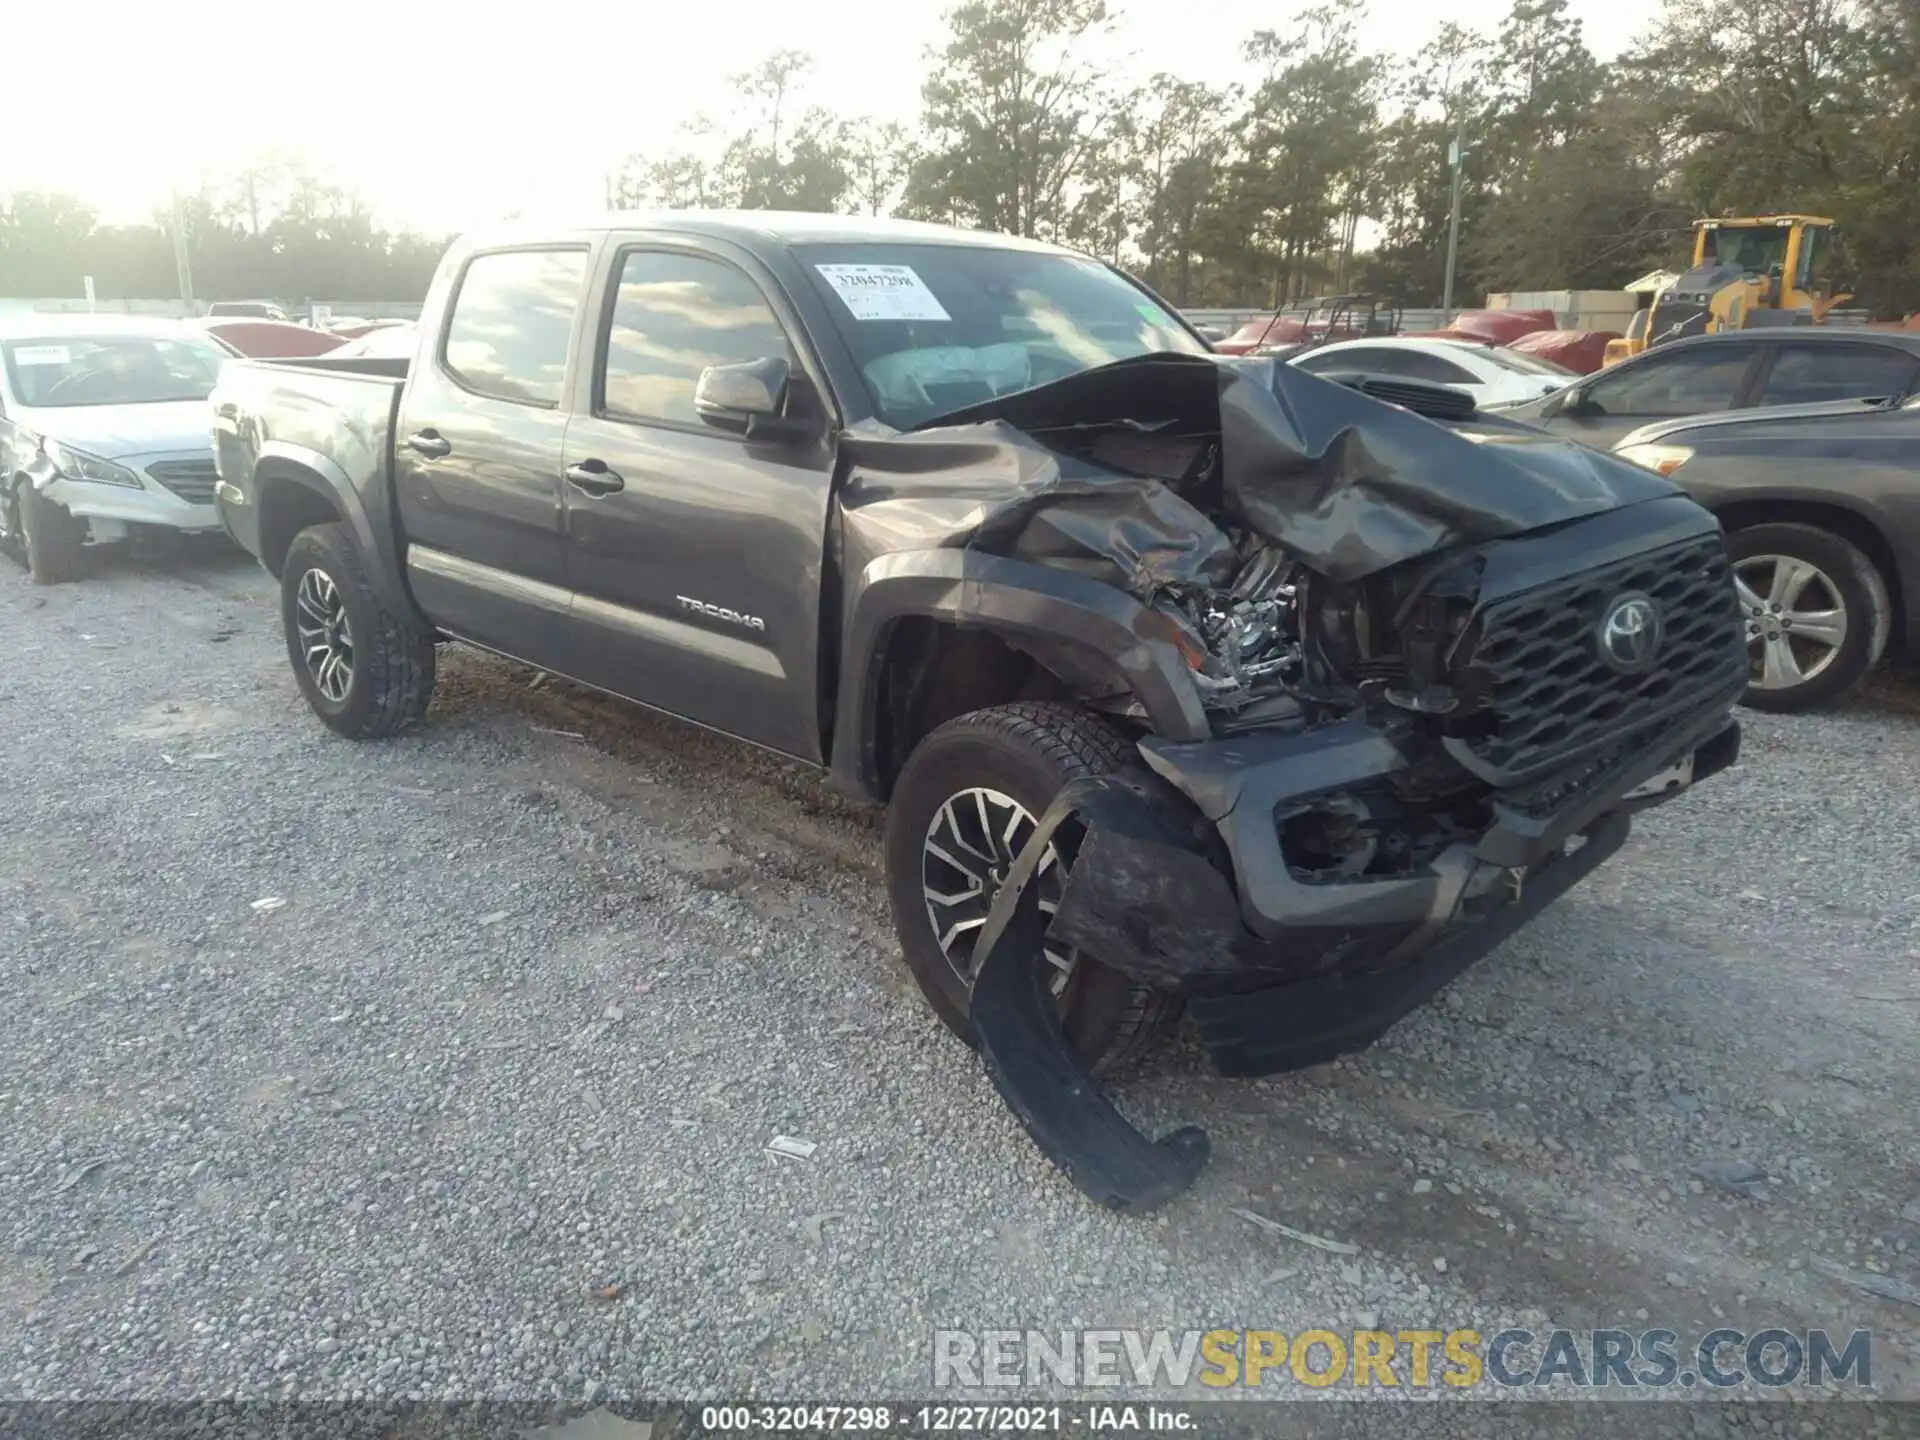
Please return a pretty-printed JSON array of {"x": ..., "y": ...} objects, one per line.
[
  {"x": 12, "y": 544},
  {"x": 1025, "y": 751},
  {"x": 51, "y": 539},
  {"x": 1847, "y": 581},
  {"x": 388, "y": 660}
]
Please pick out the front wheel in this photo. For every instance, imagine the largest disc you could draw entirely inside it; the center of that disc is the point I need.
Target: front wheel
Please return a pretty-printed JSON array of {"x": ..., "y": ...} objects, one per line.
[
  {"x": 366, "y": 672},
  {"x": 43, "y": 534},
  {"x": 1815, "y": 611},
  {"x": 965, "y": 805}
]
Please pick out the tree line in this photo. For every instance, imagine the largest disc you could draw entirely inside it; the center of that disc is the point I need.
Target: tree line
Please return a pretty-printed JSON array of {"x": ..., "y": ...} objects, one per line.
[
  {"x": 1577, "y": 174},
  {"x": 273, "y": 232},
  {"x": 1328, "y": 170}
]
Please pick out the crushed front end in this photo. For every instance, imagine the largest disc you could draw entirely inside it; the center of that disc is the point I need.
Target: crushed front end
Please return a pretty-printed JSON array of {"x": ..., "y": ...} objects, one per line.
[
  {"x": 1471, "y": 735},
  {"x": 1440, "y": 666}
]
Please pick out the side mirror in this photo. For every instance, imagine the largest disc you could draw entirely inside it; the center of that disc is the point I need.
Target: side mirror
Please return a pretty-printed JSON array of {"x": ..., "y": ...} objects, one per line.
[{"x": 748, "y": 397}]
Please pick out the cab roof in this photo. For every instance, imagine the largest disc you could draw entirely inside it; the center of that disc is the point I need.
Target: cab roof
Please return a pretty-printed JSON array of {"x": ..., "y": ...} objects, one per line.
[
  {"x": 782, "y": 227},
  {"x": 1755, "y": 222}
]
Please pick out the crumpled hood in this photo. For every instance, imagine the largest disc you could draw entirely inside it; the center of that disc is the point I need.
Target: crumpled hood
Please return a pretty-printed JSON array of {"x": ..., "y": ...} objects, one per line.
[
  {"x": 1128, "y": 467},
  {"x": 115, "y": 432}
]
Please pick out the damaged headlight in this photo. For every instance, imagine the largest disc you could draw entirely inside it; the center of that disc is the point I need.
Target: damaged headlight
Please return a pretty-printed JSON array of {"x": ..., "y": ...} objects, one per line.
[
  {"x": 75, "y": 464},
  {"x": 1240, "y": 641}
]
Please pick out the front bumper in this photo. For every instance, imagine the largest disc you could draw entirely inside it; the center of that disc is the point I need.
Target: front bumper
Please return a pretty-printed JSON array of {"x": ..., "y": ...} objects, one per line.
[
  {"x": 109, "y": 509},
  {"x": 1149, "y": 891},
  {"x": 1182, "y": 883}
]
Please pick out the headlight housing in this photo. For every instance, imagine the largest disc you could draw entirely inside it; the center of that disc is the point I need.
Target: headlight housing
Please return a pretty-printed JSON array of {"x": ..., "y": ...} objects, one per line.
[
  {"x": 78, "y": 465},
  {"x": 1662, "y": 459}
]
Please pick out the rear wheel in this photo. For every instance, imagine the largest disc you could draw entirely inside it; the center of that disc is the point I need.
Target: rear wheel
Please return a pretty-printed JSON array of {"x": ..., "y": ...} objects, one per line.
[
  {"x": 365, "y": 671},
  {"x": 965, "y": 806},
  {"x": 1815, "y": 610}
]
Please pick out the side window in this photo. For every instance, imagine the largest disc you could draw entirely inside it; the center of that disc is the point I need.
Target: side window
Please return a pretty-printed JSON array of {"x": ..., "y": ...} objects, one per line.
[
  {"x": 1808, "y": 374},
  {"x": 673, "y": 316},
  {"x": 512, "y": 321},
  {"x": 1693, "y": 382}
]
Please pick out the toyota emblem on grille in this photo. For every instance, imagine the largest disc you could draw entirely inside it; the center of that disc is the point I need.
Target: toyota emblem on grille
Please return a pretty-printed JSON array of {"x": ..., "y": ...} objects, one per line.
[{"x": 1629, "y": 637}]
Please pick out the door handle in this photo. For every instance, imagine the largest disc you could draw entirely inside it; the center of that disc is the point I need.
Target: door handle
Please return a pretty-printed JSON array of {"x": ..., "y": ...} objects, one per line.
[
  {"x": 594, "y": 478},
  {"x": 430, "y": 443}
]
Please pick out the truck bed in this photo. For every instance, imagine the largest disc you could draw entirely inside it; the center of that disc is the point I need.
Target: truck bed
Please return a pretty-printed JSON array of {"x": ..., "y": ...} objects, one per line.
[{"x": 338, "y": 411}]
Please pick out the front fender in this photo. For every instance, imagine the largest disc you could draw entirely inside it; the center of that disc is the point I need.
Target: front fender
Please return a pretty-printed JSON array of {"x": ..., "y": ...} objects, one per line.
[{"x": 1014, "y": 599}]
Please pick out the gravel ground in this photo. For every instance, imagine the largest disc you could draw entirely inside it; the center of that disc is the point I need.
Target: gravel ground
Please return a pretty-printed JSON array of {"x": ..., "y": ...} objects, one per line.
[{"x": 479, "y": 1105}]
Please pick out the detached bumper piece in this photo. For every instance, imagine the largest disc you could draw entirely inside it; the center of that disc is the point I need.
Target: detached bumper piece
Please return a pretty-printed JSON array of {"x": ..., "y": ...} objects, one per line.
[{"x": 1062, "y": 1106}]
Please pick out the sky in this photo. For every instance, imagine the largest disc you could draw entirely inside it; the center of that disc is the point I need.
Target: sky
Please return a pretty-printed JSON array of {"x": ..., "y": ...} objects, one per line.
[{"x": 443, "y": 123}]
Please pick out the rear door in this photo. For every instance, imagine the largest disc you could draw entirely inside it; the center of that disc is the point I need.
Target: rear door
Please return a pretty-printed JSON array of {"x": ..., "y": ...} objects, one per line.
[
  {"x": 695, "y": 554},
  {"x": 1814, "y": 374},
  {"x": 1692, "y": 380},
  {"x": 477, "y": 455}
]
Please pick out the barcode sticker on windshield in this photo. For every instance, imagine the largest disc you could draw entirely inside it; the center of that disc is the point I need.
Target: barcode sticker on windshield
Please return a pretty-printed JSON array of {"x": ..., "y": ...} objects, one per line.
[
  {"x": 883, "y": 292},
  {"x": 42, "y": 355}
]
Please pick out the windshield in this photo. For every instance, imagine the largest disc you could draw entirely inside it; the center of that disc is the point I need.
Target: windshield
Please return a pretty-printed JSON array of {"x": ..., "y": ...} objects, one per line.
[
  {"x": 1754, "y": 249},
  {"x": 1522, "y": 363},
  {"x": 63, "y": 370},
  {"x": 936, "y": 328}
]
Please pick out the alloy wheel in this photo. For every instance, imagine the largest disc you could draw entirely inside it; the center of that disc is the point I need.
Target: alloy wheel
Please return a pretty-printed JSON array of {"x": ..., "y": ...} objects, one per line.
[
  {"x": 1796, "y": 619},
  {"x": 972, "y": 842},
  {"x": 326, "y": 639}
]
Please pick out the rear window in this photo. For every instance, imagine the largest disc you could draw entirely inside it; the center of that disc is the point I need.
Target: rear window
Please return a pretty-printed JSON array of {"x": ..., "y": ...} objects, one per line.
[
  {"x": 936, "y": 328},
  {"x": 512, "y": 324}
]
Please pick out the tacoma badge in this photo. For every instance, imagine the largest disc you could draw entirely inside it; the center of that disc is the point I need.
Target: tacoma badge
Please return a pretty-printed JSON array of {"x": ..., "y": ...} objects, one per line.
[{"x": 720, "y": 612}]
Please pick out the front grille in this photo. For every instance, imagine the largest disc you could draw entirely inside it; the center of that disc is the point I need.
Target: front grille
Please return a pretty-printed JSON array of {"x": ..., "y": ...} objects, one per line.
[
  {"x": 1538, "y": 656},
  {"x": 1672, "y": 319},
  {"x": 191, "y": 480}
]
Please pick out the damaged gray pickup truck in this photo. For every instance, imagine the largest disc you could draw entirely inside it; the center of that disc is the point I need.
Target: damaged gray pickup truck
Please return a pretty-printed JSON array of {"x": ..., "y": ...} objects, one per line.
[{"x": 1190, "y": 683}]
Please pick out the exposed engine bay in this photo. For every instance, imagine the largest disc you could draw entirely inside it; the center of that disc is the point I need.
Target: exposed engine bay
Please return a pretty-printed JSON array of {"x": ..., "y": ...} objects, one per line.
[{"x": 1250, "y": 629}]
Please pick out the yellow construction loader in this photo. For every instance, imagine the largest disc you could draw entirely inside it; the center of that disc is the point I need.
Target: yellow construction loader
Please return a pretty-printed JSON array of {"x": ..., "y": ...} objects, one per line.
[{"x": 1748, "y": 272}]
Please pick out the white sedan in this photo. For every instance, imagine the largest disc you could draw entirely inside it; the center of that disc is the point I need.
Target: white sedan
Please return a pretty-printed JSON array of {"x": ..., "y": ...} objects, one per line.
[{"x": 1492, "y": 375}]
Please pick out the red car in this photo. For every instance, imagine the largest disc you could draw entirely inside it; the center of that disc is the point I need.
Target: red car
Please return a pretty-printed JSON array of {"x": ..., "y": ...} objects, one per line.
[{"x": 270, "y": 339}]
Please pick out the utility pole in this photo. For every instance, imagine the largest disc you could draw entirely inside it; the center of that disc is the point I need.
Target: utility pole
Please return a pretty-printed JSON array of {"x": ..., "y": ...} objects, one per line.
[
  {"x": 1456, "y": 153},
  {"x": 180, "y": 264}
]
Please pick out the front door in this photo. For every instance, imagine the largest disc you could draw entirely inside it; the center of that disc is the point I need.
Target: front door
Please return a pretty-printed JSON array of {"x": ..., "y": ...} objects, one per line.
[
  {"x": 694, "y": 554},
  {"x": 1659, "y": 385},
  {"x": 477, "y": 456}
]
